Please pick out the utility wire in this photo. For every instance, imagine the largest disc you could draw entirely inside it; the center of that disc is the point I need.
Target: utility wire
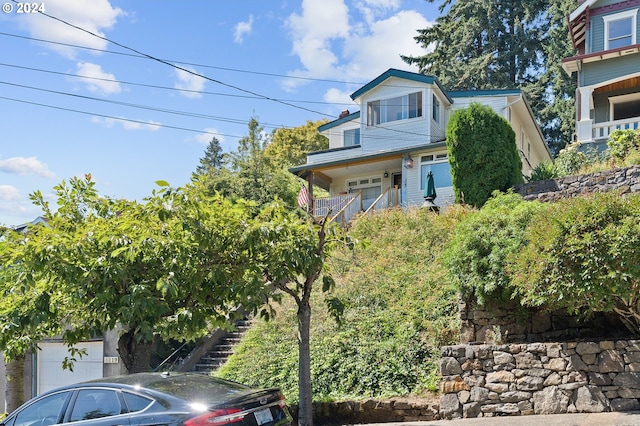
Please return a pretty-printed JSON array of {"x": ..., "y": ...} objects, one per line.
[
  {"x": 145, "y": 107},
  {"x": 188, "y": 71},
  {"x": 183, "y": 62},
  {"x": 108, "y": 80},
  {"x": 145, "y": 123}
]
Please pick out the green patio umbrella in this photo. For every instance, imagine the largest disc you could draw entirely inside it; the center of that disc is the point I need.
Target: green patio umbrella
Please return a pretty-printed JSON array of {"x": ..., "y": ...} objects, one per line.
[{"x": 430, "y": 193}]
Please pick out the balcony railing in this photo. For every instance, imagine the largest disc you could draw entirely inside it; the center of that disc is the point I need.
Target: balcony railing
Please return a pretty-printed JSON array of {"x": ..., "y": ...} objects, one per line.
[{"x": 603, "y": 130}]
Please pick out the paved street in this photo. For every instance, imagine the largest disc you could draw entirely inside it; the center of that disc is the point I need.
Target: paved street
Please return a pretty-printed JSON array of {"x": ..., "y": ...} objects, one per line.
[{"x": 582, "y": 419}]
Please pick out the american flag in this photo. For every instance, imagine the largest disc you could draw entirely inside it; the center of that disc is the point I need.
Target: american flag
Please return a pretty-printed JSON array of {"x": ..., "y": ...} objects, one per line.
[{"x": 303, "y": 196}]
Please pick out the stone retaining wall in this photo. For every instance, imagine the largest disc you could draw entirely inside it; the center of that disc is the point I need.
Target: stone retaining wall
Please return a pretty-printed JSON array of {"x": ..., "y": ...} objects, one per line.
[
  {"x": 540, "y": 378},
  {"x": 372, "y": 411},
  {"x": 625, "y": 180}
]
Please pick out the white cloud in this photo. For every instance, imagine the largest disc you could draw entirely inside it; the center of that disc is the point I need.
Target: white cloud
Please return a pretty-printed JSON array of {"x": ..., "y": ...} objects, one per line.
[
  {"x": 333, "y": 41},
  {"x": 96, "y": 17},
  {"x": 94, "y": 71},
  {"x": 126, "y": 123},
  {"x": 9, "y": 193},
  {"x": 189, "y": 84},
  {"x": 242, "y": 29},
  {"x": 26, "y": 166},
  {"x": 205, "y": 138}
]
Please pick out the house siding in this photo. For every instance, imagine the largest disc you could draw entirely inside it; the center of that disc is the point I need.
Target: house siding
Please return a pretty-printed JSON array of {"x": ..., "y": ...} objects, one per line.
[
  {"x": 602, "y": 106},
  {"x": 595, "y": 73},
  {"x": 401, "y": 133}
]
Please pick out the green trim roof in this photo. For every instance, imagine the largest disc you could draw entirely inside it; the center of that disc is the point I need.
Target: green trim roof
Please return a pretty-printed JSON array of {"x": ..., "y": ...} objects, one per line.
[
  {"x": 364, "y": 156},
  {"x": 405, "y": 75},
  {"x": 339, "y": 121}
]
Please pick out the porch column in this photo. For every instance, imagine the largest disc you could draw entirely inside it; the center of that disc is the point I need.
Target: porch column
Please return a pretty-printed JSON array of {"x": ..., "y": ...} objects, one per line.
[
  {"x": 584, "y": 126},
  {"x": 312, "y": 200}
]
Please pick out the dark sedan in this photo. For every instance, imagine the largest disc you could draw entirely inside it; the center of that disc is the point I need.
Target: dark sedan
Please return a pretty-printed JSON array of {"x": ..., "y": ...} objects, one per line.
[{"x": 166, "y": 399}]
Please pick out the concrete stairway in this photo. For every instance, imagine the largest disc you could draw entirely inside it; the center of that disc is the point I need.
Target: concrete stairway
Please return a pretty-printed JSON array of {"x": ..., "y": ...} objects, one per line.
[{"x": 221, "y": 350}]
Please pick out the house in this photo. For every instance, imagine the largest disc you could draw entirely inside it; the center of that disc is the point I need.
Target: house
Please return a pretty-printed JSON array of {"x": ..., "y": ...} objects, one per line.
[
  {"x": 607, "y": 63},
  {"x": 381, "y": 155}
]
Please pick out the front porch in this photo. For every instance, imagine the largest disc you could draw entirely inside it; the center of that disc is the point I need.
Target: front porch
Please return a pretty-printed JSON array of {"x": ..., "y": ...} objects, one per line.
[{"x": 345, "y": 207}]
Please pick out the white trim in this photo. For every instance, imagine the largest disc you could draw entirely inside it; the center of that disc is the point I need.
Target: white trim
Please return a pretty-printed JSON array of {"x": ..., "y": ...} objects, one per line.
[
  {"x": 613, "y": 100},
  {"x": 617, "y": 17}
]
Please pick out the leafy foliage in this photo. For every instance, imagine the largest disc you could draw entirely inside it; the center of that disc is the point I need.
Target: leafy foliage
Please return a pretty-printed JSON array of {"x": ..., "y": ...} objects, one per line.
[
  {"x": 477, "y": 253},
  {"x": 482, "y": 154},
  {"x": 289, "y": 147},
  {"x": 398, "y": 310},
  {"x": 582, "y": 256},
  {"x": 173, "y": 267},
  {"x": 622, "y": 142}
]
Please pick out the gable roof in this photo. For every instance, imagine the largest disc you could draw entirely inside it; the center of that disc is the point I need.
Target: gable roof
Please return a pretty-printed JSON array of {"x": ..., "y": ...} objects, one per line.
[
  {"x": 339, "y": 121},
  {"x": 405, "y": 75}
]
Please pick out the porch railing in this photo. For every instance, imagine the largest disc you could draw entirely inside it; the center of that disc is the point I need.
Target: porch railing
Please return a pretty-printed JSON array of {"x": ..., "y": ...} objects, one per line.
[
  {"x": 341, "y": 208},
  {"x": 389, "y": 198},
  {"x": 603, "y": 130}
]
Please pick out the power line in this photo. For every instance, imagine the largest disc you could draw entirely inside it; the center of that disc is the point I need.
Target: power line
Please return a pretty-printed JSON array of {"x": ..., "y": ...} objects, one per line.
[
  {"x": 322, "y": 80},
  {"x": 188, "y": 71},
  {"x": 108, "y": 80},
  {"x": 145, "y": 123},
  {"x": 145, "y": 107}
]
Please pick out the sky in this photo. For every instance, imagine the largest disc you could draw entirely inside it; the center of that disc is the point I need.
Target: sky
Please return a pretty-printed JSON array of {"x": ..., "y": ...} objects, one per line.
[{"x": 132, "y": 91}]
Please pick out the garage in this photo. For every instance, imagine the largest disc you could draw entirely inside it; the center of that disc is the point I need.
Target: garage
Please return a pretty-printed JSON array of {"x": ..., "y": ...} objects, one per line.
[{"x": 50, "y": 374}]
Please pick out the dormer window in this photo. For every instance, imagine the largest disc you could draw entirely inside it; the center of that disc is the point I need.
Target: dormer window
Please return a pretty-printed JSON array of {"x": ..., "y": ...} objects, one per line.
[
  {"x": 620, "y": 29},
  {"x": 352, "y": 137},
  {"x": 393, "y": 109}
]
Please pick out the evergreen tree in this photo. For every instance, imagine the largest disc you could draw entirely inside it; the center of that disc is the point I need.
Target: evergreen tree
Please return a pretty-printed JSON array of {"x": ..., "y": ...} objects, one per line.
[
  {"x": 212, "y": 159},
  {"x": 503, "y": 44},
  {"x": 483, "y": 154}
]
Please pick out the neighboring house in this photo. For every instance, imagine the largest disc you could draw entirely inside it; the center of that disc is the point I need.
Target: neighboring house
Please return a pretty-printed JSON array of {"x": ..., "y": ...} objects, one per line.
[
  {"x": 381, "y": 156},
  {"x": 607, "y": 62},
  {"x": 43, "y": 369}
]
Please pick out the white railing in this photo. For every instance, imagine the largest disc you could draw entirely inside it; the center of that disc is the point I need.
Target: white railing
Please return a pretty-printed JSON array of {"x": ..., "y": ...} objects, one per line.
[
  {"x": 603, "y": 130},
  {"x": 349, "y": 211},
  {"x": 331, "y": 205},
  {"x": 389, "y": 198}
]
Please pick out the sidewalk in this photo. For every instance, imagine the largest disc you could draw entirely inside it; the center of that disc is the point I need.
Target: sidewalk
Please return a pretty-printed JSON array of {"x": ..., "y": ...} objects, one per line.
[{"x": 631, "y": 418}]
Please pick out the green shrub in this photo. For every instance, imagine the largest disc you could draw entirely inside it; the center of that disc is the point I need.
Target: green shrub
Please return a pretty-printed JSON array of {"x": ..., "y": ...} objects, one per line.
[
  {"x": 582, "y": 255},
  {"x": 622, "y": 142},
  {"x": 543, "y": 171},
  {"x": 572, "y": 160},
  {"x": 477, "y": 253},
  {"x": 482, "y": 153}
]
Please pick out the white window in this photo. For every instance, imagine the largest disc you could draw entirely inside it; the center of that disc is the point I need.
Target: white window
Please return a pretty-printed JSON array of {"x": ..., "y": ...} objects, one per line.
[
  {"x": 393, "y": 109},
  {"x": 624, "y": 106},
  {"x": 352, "y": 137},
  {"x": 620, "y": 29},
  {"x": 439, "y": 165},
  {"x": 436, "y": 109}
]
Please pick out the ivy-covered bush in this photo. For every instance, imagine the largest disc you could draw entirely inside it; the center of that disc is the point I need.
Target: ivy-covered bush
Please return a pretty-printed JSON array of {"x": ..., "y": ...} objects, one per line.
[
  {"x": 583, "y": 255},
  {"x": 477, "y": 253},
  {"x": 482, "y": 153}
]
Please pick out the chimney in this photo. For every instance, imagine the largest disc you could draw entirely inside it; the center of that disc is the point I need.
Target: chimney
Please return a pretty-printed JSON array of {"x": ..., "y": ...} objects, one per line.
[{"x": 344, "y": 113}]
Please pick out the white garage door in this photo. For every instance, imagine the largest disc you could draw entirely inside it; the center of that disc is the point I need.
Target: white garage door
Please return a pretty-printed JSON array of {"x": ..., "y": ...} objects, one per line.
[{"x": 50, "y": 372}]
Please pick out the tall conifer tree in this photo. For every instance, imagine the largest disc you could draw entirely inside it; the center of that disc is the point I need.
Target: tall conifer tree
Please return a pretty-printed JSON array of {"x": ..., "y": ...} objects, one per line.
[{"x": 504, "y": 44}]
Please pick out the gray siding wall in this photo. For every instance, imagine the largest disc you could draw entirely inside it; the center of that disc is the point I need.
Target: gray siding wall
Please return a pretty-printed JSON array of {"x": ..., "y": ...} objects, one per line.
[
  {"x": 597, "y": 72},
  {"x": 601, "y": 103}
]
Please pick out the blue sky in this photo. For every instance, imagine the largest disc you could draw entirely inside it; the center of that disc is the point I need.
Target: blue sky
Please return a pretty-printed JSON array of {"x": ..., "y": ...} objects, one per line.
[{"x": 72, "y": 103}]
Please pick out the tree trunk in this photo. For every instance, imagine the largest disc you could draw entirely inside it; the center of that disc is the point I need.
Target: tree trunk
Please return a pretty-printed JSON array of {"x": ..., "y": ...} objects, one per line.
[
  {"x": 305, "y": 410},
  {"x": 15, "y": 383},
  {"x": 136, "y": 356}
]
